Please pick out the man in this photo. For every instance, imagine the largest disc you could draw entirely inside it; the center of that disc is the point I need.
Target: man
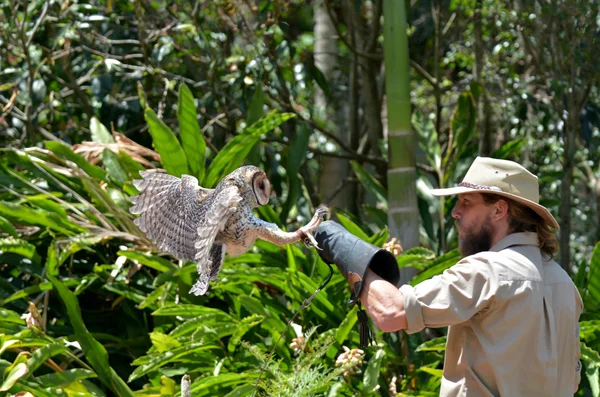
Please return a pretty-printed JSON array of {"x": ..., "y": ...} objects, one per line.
[{"x": 512, "y": 311}]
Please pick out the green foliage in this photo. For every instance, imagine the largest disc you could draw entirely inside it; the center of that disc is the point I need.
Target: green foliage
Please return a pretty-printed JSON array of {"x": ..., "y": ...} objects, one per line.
[{"x": 194, "y": 80}]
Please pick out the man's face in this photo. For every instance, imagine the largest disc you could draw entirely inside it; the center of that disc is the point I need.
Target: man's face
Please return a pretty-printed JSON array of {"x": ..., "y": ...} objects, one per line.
[{"x": 475, "y": 228}]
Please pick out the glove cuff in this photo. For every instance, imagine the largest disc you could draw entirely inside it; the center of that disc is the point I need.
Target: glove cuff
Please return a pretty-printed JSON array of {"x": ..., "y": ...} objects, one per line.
[{"x": 354, "y": 257}]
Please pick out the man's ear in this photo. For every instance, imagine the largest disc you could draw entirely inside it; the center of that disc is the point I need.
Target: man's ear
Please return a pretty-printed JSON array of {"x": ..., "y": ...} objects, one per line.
[{"x": 501, "y": 210}]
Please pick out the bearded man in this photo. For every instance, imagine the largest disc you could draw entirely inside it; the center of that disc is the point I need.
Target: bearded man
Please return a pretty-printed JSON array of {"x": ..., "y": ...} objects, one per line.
[{"x": 512, "y": 311}]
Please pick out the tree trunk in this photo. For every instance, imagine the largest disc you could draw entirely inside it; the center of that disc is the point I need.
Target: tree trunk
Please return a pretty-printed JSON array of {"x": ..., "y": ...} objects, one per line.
[
  {"x": 403, "y": 215},
  {"x": 483, "y": 106},
  {"x": 335, "y": 170}
]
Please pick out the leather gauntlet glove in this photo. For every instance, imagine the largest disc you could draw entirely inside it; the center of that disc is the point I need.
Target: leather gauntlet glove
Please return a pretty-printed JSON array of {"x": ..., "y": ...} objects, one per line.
[{"x": 353, "y": 257}]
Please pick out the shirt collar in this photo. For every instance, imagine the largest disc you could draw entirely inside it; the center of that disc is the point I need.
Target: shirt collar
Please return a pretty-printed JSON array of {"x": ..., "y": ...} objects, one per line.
[{"x": 525, "y": 238}]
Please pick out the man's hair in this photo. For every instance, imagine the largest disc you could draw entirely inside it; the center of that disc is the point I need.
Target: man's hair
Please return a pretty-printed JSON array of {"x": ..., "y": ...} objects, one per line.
[{"x": 524, "y": 219}]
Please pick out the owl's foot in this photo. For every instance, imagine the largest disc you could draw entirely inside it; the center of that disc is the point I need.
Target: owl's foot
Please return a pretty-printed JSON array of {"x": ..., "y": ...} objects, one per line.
[{"x": 305, "y": 232}]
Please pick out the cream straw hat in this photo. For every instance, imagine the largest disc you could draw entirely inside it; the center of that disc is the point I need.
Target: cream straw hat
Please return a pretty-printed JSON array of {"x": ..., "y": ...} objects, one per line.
[{"x": 504, "y": 178}]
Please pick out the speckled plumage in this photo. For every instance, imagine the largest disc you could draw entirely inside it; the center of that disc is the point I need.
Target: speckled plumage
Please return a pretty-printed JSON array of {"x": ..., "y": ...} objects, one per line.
[{"x": 200, "y": 225}]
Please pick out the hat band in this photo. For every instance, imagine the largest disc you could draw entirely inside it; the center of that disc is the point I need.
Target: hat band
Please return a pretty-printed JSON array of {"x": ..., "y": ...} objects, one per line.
[{"x": 479, "y": 187}]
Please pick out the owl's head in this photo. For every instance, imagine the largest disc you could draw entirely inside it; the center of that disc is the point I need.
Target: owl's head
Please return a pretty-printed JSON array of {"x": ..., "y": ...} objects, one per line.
[{"x": 253, "y": 184}]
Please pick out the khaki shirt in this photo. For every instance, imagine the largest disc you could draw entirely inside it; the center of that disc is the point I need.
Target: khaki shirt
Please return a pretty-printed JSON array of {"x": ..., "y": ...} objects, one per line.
[{"x": 513, "y": 322}]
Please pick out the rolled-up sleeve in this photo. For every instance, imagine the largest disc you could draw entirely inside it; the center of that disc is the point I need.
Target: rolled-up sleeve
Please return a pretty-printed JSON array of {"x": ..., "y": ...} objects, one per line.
[{"x": 452, "y": 297}]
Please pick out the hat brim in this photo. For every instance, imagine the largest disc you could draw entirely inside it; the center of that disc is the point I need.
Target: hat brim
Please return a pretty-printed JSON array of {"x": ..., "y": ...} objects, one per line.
[{"x": 538, "y": 208}]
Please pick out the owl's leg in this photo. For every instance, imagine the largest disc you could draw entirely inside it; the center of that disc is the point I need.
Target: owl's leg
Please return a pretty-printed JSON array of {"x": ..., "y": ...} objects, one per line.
[
  {"x": 272, "y": 233},
  {"x": 307, "y": 238}
]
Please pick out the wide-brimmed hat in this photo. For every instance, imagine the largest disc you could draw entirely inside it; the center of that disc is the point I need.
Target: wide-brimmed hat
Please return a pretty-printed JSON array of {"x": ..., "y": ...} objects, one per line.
[{"x": 504, "y": 178}]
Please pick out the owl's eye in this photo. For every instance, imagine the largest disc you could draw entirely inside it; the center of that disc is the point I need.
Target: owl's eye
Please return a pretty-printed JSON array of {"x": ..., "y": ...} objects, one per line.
[{"x": 262, "y": 189}]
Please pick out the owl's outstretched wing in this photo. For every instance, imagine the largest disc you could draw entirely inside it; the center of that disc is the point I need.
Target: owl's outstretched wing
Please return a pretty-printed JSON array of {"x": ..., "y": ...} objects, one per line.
[
  {"x": 213, "y": 217},
  {"x": 169, "y": 210}
]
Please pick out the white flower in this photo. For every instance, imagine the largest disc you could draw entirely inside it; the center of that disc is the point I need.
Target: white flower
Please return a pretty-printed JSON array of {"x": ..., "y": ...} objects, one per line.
[{"x": 299, "y": 342}]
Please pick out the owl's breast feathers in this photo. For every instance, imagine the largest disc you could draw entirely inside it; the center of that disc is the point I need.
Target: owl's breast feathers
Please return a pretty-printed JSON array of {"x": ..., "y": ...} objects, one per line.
[{"x": 238, "y": 234}]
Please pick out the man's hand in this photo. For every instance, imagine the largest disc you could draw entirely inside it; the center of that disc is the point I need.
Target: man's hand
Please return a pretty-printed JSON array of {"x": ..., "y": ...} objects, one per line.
[{"x": 353, "y": 257}]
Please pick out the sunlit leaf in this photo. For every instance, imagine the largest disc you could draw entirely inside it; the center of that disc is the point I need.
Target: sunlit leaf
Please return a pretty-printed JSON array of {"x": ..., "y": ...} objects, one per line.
[
  {"x": 242, "y": 328},
  {"x": 371, "y": 185},
  {"x": 99, "y": 132},
  {"x": 371, "y": 377},
  {"x": 94, "y": 352},
  {"x": 166, "y": 144},
  {"x": 19, "y": 371},
  {"x": 192, "y": 139},
  {"x": 235, "y": 150},
  {"x": 64, "y": 378},
  {"x": 156, "y": 361}
]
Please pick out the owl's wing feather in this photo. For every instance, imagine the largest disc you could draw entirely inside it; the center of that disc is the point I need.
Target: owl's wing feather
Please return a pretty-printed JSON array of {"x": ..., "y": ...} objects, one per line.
[
  {"x": 169, "y": 210},
  {"x": 213, "y": 218},
  {"x": 216, "y": 258}
]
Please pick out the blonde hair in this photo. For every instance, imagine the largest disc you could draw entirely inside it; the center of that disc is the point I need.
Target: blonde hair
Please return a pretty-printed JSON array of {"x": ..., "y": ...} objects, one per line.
[{"x": 524, "y": 219}]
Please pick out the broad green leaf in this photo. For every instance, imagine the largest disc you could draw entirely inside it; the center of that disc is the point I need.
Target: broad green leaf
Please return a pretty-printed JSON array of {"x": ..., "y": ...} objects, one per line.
[
  {"x": 241, "y": 391},
  {"x": 371, "y": 185},
  {"x": 39, "y": 356},
  {"x": 380, "y": 238},
  {"x": 463, "y": 121},
  {"x": 163, "y": 342},
  {"x": 212, "y": 385},
  {"x": 437, "y": 344},
  {"x": 131, "y": 166},
  {"x": 35, "y": 289},
  {"x": 593, "y": 285},
  {"x": 94, "y": 352},
  {"x": 6, "y": 343},
  {"x": 581, "y": 276},
  {"x": 99, "y": 132},
  {"x": 152, "y": 297},
  {"x": 242, "y": 328},
  {"x": 8, "y": 316},
  {"x": 151, "y": 261},
  {"x": 235, "y": 150},
  {"x": 591, "y": 361},
  {"x": 352, "y": 227},
  {"x": 166, "y": 144},
  {"x": 371, "y": 376},
  {"x": 191, "y": 135},
  {"x": 168, "y": 386},
  {"x": 432, "y": 371},
  {"x": 156, "y": 361},
  {"x": 62, "y": 150},
  {"x": 42, "y": 218},
  {"x": 437, "y": 267},
  {"x": 428, "y": 139},
  {"x": 52, "y": 260},
  {"x": 187, "y": 310},
  {"x": 127, "y": 291},
  {"x": 257, "y": 103},
  {"x": 14, "y": 375},
  {"x": 64, "y": 378},
  {"x": 142, "y": 95},
  {"x": 292, "y": 266},
  {"x": 415, "y": 257},
  {"x": 19, "y": 247},
  {"x": 342, "y": 332},
  {"x": 510, "y": 149},
  {"x": 8, "y": 227},
  {"x": 114, "y": 167}
]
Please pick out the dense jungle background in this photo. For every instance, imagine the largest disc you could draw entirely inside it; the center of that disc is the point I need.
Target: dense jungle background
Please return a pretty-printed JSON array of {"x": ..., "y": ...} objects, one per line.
[{"x": 362, "y": 105}]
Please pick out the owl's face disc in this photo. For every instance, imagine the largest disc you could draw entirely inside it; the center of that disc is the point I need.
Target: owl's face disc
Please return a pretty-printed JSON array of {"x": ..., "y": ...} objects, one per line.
[{"x": 261, "y": 188}]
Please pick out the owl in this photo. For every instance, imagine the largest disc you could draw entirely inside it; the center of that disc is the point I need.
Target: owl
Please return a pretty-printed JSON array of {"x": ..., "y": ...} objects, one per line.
[{"x": 201, "y": 225}]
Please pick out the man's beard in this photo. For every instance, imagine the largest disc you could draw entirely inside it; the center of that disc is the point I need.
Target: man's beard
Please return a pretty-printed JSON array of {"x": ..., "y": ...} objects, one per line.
[{"x": 474, "y": 242}]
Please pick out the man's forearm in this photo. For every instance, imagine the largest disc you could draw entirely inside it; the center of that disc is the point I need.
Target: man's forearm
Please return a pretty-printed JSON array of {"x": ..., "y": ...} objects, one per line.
[{"x": 384, "y": 303}]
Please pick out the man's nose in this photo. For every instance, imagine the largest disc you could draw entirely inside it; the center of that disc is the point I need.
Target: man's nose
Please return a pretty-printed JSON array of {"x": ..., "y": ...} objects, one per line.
[{"x": 455, "y": 213}]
